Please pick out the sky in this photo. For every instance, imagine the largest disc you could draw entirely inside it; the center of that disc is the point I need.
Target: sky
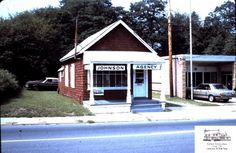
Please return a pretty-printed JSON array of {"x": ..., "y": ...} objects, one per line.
[{"x": 202, "y": 7}]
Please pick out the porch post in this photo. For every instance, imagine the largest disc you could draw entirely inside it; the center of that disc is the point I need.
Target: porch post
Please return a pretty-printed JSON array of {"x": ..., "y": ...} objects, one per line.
[
  {"x": 128, "y": 98},
  {"x": 91, "y": 97},
  {"x": 234, "y": 76},
  {"x": 163, "y": 82}
]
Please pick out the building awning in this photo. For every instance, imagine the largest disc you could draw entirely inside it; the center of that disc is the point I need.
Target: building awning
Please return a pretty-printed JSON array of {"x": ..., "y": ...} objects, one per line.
[
  {"x": 121, "y": 57},
  {"x": 204, "y": 58}
]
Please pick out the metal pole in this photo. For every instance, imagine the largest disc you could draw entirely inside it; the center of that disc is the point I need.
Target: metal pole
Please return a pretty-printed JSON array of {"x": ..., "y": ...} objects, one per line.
[
  {"x": 170, "y": 50},
  {"x": 191, "y": 52},
  {"x": 76, "y": 35}
]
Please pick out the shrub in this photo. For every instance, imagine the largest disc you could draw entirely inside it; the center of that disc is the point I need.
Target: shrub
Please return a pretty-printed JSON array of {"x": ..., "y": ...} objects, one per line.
[{"x": 8, "y": 84}]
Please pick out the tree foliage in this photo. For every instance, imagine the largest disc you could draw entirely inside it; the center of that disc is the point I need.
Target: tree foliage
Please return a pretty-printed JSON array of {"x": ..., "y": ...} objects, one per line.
[
  {"x": 93, "y": 15},
  {"x": 25, "y": 43},
  {"x": 8, "y": 84},
  {"x": 220, "y": 30},
  {"x": 149, "y": 20}
]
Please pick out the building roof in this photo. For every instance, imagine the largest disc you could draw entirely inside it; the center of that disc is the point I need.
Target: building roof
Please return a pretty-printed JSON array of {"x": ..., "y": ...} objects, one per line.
[
  {"x": 121, "y": 57},
  {"x": 205, "y": 58},
  {"x": 87, "y": 43}
]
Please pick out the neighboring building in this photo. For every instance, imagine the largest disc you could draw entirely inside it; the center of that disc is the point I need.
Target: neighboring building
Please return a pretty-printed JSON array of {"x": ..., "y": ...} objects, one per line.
[
  {"x": 206, "y": 69},
  {"x": 114, "y": 63}
]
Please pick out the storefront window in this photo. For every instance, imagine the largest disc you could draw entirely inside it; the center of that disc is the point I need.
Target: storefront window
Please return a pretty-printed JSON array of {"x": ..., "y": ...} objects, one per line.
[
  {"x": 110, "y": 79},
  {"x": 198, "y": 78},
  {"x": 210, "y": 77},
  {"x": 201, "y": 77}
]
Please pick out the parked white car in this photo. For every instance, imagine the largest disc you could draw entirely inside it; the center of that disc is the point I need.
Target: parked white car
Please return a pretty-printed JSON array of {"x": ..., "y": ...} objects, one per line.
[{"x": 212, "y": 92}]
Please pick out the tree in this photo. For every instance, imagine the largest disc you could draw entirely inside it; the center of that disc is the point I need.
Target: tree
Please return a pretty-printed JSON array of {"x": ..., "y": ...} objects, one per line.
[
  {"x": 25, "y": 49},
  {"x": 180, "y": 33},
  {"x": 92, "y": 15},
  {"x": 149, "y": 20},
  {"x": 220, "y": 30},
  {"x": 8, "y": 85}
]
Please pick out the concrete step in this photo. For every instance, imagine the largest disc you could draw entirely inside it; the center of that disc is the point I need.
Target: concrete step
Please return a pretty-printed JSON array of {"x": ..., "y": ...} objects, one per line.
[
  {"x": 153, "y": 109},
  {"x": 145, "y": 105},
  {"x": 109, "y": 109}
]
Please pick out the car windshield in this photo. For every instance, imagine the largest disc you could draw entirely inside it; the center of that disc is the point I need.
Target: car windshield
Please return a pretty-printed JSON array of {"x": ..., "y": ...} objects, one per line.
[{"x": 219, "y": 86}]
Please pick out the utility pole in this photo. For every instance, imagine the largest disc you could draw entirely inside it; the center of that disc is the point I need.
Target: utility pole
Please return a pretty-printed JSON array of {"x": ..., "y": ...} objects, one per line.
[
  {"x": 191, "y": 50},
  {"x": 170, "y": 50},
  {"x": 76, "y": 35}
]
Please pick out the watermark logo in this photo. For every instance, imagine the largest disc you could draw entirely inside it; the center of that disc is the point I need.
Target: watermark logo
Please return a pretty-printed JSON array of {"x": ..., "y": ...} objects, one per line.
[
  {"x": 215, "y": 135},
  {"x": 215, "y": 139}
]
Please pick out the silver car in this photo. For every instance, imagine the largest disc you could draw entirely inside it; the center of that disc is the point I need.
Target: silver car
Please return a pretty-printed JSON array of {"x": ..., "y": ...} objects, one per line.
[{"x": 213, "y": 91}]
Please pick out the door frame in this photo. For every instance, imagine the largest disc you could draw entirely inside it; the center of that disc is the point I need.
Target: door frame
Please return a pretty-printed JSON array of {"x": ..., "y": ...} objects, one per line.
[
  {"x": 145, "y": 84},
  {"x": 227, "y": 80}
]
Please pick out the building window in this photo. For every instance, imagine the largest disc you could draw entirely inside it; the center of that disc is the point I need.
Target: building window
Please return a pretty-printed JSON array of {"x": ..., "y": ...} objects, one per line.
[
  {"x": 72, "y": 75},
  {"x": 139, "y": 76},
  {"x": 66, "y": 76},
  {"x": 210, "y": 77},
  {"x": 201, "y": 77},
  {"x": 198, "y": 78},
  {"x": 60, "y": 75},
  {"x": 110, "y": 79}
]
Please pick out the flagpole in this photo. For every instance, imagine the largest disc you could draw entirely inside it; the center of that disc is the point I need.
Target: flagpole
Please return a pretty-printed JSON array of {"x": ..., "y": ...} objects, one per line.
[{"x": 190, "y": 46}]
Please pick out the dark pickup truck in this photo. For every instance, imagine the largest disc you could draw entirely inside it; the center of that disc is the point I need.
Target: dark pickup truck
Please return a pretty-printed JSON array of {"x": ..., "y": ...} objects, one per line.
[{"x": 49, "y": 83}]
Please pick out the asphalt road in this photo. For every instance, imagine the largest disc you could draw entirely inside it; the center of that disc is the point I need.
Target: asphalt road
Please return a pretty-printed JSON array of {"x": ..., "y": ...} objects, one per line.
[{"x": 149, "y": 137}]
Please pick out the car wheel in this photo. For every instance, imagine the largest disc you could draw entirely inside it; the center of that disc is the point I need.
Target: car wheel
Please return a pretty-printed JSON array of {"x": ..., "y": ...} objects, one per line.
[
  {"x": 211, "y": 98},
  {"x": 226, "y": 100},
  {"x": 36, "y": 88}
]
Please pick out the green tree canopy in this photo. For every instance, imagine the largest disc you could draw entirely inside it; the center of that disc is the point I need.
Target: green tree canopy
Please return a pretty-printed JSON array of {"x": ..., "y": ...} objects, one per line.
[
  {"x": 220, "y": 30},
  {"x": 28, "y": 46},
  {"x": 148, "y": 18}
]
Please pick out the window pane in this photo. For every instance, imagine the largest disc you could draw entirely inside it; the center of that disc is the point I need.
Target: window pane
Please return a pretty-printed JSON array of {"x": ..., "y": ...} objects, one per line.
[
  {"x": 106, "y": 80},
  {"x": 139, "y": 76},
  {"x": 124, "y": 80},
  {"x": 194, "y": 79},
  {"x": 213, "y": 77},
  {"x": 207, "y": 77},
  {"x": 198, "y": 78},
  {"x": 99, "y": 81},
  {"x": 118, "y": 80},
  {"x": 112, "y": 80}
]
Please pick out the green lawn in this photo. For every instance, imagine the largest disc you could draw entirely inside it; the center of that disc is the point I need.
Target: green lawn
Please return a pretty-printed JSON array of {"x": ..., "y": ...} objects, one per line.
[
  {"x": 182, "y": 100},
  {"x": 42, "y": 104}
]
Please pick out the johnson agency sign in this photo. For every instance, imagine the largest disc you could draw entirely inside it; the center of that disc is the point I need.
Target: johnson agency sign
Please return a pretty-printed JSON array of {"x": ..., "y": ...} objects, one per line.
[
  {"x": 110, "y": 68},
  {"x": 146, "y": 67}
]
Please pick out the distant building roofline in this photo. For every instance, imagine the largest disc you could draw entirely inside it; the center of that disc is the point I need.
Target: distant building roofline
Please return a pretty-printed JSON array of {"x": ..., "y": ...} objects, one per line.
[{"x": 204, "y": 58}]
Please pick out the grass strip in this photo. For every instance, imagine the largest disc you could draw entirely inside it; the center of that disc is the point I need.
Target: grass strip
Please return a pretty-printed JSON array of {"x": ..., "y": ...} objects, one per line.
[{"x": 42, "y": 104}]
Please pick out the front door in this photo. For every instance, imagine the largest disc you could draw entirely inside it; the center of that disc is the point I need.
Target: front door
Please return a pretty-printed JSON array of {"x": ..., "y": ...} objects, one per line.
[
  {"x": 227, "y": 80},
  {"x": 140, "y": 83}
]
